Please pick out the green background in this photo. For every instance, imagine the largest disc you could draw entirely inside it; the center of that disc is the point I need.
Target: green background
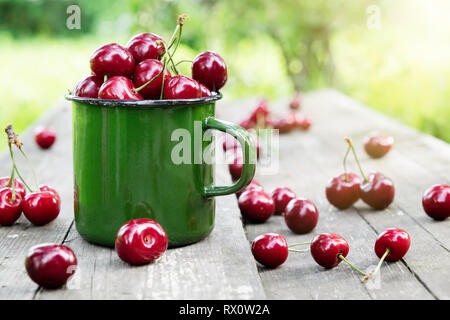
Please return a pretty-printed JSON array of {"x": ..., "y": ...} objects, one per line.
[{"x": 272, "y": 48}]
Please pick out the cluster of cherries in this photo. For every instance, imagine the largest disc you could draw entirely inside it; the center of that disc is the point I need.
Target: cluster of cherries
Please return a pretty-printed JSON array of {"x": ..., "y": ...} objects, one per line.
[
  {"x": 140, "y": 70},
  {"x": 138, "y": 242},
  {"x": 261, "y": 117},
  {"x": 301, "y": 215},
  {"x": 40, "y": 206}
]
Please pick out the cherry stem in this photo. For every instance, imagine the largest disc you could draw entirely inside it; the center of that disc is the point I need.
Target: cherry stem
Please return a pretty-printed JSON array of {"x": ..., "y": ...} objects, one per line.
[
  {"x": 182, "y": 61},
  {"x": 11, "y": 180},
  {"x": 350, "y": 144},
  {"x": 340, "y": 256},
  {"x": 32, "y": 168},
  {"x": 372, "y": 274},
  {"x": 105, "y": 77},
  {"x": 296, "y": 250},
  {"x": 17, "y": 170},
  {"x": 299, "y": 244},
  {"x": 345, "y": 163}
]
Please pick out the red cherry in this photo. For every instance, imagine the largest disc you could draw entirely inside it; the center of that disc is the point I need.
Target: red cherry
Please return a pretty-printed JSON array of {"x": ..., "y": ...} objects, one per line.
[
  {"x": 301, "y": 215},
  {"x": 270, "y": 249},
  {"x": 205, "y": 90},
  {"x": 181, "y": 87},
  {"x": 10, "y": 210},
  {"x": 378, "y": 144},
  {"x": 284, "y": 125},
  {"x": 377, "y": 191},
  {"x": 436, "y": 202},
  {"x": 41, "y": 207},
  {"x": 253, "y": 185},
  {"x": 281, "y": 197},
  {"x": 112, "y": 60},
  {"x": 209, "y": 69},
  {"x": 45, "y": 137},
  {"x": 256, "y": 205},
  {"x": 118, "y": 87},
  {"x": 343, "y": 191},
  {"x": 50, "y": 265},
  {"x": 145, "y": 46},
  {"x": 141, "y": 241},
  {"x": 326, "y": 249},
  {"x": 295, "y": 102},
  {"x": 146, "y": 71},
  {"x": 51, "y": 190},
  {"x": 88, "y": 87},
  {"x": 396, "y": 241},
  {"x": 19, "y": 187}
]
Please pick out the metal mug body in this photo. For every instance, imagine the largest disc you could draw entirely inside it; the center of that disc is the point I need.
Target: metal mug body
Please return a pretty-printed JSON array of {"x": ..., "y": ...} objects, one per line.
[{"x": 124, "y": 168}]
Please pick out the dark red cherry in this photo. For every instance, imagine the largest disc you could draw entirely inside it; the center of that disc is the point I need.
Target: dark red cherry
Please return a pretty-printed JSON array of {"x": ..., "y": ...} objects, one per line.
[
  {"x": 112, "y": 60},
  {"x": 281, "y": 197},
  {"x": 253, "y": 185},
  {"x": 395, "y": 240},
  {"x": 41, "y": 207},
  {"x": 256, "y": 205},
  {"x": 50, "y": 265},
  {"x": 301, "y": 215},
  {"x": 378, "y": 144},
  {"x": 270, "y": 249},
  {"x": 209, "y": 69},
  {"x": 295, "y": 102},
  {"x": 181, "y": 87},
  {"x": 45, "y": 137},
  {"x": 436, "y": 202},
  {"x": 205, "y": 90},
  {"x": 146, "y": 71},
  {"x": 19, "y": 187},
  {"x": 343, "y": 191},
  {"x": 88, "y": 87},
  {"x": 326, "y": 249},
  {"x": 378, "y": 191},
  {"x": 141, "y": 241},
  {"x": 145, "y": 46},
  {"x": 120, "y": 88},
  {"x": 10, "y": 210}
]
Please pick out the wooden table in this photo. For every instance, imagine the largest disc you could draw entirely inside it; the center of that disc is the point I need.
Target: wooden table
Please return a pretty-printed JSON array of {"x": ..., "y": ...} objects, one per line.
[{"x": 222, "y": 266}]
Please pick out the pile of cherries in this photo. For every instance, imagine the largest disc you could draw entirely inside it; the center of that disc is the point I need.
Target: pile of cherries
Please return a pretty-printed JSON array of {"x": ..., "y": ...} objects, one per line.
[
  {"x": 261, "y": 117},
  {"x": 140, "y": 70}
]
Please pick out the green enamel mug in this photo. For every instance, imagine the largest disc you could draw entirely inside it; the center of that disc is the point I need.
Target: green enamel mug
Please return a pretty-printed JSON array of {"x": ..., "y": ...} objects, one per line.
[{"x": 124, "y": 166}]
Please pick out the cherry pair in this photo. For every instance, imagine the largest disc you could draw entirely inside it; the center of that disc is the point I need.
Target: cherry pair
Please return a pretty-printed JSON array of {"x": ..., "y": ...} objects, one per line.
[
  {"x": 140, "y": 71},
  {"x": 40, "y": 207},
  {"x": 375, "y": 189}
]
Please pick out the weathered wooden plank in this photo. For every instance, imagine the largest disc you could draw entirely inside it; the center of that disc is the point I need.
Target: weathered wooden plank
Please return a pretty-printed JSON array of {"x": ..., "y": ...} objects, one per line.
[
  {"x": 306, "y": 163},
  {"x": 54, "y": 167}
]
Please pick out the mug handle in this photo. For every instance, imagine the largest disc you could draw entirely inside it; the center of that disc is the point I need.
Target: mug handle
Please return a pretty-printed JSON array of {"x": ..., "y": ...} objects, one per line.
[{"x": 248, "y": 148}]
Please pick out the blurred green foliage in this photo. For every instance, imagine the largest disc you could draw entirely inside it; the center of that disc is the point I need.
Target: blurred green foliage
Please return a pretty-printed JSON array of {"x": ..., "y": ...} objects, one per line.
[{"x": 272, "y": 48}]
